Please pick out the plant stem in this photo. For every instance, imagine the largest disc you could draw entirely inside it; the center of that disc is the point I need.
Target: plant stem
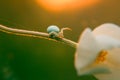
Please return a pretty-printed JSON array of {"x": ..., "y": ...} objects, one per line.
[{"x": 35, "y": 34}]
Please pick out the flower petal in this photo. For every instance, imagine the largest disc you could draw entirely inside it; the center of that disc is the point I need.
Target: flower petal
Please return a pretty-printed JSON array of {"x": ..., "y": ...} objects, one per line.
[
  {"x": 86, "y": 52},
  {"x": 107, "y": 42},
  {"x": 108, "y": 29},
  {"x": 114, "y": 57},
  {"x": 108, "y": 36}
]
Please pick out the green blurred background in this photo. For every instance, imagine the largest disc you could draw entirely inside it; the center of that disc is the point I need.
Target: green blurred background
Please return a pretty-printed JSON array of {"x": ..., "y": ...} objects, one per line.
[{"x": 27, "y": 58}]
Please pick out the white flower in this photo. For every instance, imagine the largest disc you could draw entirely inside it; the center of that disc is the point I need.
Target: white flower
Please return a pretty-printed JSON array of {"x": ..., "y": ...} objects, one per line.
[{"x": 98, "y": 52}]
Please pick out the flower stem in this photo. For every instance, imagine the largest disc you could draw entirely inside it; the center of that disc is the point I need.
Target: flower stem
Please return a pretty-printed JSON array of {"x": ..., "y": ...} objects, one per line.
[{"x": 35, "y": 34}]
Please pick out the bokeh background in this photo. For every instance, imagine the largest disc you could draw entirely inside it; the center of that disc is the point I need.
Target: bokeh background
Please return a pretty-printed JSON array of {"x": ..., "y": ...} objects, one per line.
[{"x": 27, "y": 58}]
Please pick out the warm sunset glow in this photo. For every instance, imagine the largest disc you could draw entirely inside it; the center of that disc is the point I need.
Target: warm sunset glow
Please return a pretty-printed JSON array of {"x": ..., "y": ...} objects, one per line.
[{"x": 66, "y": 5}]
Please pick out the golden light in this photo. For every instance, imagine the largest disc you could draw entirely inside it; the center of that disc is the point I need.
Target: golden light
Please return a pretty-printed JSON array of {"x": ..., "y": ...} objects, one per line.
[{"x": 66, "y": 5}]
